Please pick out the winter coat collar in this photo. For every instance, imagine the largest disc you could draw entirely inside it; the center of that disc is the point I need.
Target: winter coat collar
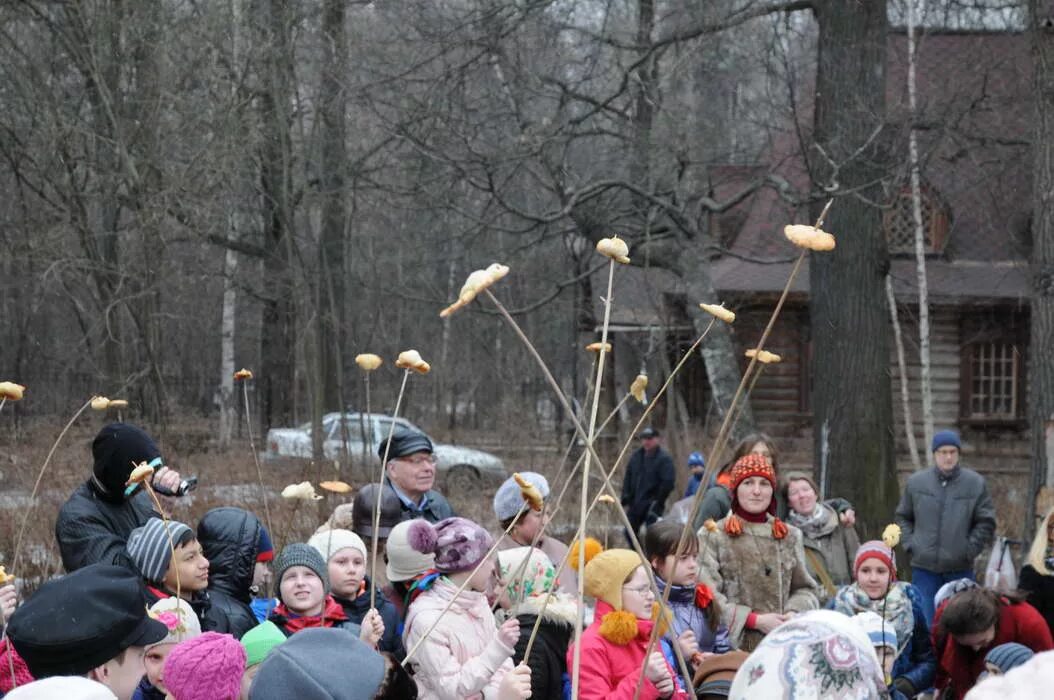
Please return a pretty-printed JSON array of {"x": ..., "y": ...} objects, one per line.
[
  {"x": 229, "y": 539},
  {"x": 561, "y": 610},
  {"x": 332, "y": 614}
]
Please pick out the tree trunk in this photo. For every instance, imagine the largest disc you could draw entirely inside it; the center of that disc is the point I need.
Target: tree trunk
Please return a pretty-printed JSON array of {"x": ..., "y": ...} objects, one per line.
[
  {"x": 852, "y": 399},
  {"x": 1041, "y": 344}
]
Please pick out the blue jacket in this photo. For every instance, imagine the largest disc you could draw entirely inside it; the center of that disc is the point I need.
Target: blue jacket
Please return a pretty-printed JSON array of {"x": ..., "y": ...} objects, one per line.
[
  {"x": 693, "y": 485},
  {"x": 917, "y": 662},
  {"x": 146, "y": 691}
]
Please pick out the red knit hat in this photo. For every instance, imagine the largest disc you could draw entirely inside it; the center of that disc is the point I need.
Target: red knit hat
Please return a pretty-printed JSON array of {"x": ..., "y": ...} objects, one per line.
[
  {"x": 745, "y": 467},
  {"x": 875, "y": 549},
  {"x": 22, "y": 674}
]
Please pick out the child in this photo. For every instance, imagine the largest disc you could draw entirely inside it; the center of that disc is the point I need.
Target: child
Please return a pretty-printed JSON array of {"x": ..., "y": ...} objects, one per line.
[
  {"x": 258, "y": 643},
  {"x": 182, "y": 625},
  {"x": 876, "y": 589},
  {"x": 697, "y": 466},
  {"x": 1001, "y": 659},
  {"x": 230, "y": 540},
  {"x": 346, "y": 558},
  {"x": 466, "y": 655},
  {"x": 526, "y": 577},
  {"x": 613, "y": 646},
  {"x": 304, "y": 599},
  {"x": 697, "y": 624},
  {"x": 166, "y": 572},
  {"x": 884, "y": 639},
  {"x": 409, "y": 572},
  {"x": 209, "y": 667}
]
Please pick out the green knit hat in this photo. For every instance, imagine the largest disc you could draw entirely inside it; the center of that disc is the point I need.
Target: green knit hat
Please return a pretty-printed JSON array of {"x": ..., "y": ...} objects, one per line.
[{"x": 260, "y": 640}]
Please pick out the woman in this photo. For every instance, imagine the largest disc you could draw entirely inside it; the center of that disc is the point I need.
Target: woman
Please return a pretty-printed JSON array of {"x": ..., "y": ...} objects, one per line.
[
  {"x": 899, "y": 604},
  {"x": 752, "y": 561},
  {"x": 829, "y": 537},
  {"x": 973, "y": 622},
  {"x": 1037, "y": 576},
  {"x": 718, "y": 497}
]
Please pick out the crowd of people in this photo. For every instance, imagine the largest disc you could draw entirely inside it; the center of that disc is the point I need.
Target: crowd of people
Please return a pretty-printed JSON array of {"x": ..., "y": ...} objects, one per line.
[{"x": 774, "y": 596}]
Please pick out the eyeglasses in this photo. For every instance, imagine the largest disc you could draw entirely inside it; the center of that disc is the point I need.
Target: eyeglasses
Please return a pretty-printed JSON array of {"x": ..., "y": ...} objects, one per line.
[
  {"x": 644, "y": 591},
  {"x": 420, "y": 460}
]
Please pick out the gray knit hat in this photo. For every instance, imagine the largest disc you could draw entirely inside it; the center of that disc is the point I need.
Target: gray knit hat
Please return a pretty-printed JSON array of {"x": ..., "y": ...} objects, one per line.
[
  {"x": 150, "y": 548},
  {"x": 300, "y": 554},
  {"x": 320, "y": 664},
  {"x": 508, "y": 500},
  {"x": 1009, "y": 656}
]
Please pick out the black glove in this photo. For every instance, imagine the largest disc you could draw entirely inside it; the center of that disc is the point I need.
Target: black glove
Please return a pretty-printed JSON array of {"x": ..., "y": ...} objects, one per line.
[{"x": 905, "y": 686}]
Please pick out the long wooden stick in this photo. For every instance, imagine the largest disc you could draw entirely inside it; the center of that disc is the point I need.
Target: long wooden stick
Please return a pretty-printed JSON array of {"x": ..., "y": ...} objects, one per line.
[
  {"x": 380, "y": 489},
  {"x": 722, "y": 438},
  {"x": 256, "y": 459}
]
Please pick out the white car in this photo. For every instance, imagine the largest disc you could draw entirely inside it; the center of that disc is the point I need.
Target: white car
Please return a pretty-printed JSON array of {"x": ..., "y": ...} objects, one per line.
[{"x": 358, "y": 435}]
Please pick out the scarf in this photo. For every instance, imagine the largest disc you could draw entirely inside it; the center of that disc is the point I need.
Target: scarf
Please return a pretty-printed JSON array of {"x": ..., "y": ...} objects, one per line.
[
  {"x": 332, "y": 613},
  {"x": 813, "y": 526},
  {"x": 895, "y": 608},
  {"x": 749, "y": 517}
]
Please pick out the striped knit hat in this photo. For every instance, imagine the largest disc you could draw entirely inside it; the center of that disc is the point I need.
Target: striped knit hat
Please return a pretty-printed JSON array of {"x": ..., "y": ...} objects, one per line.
[
  {"x": 1009, "y": 655},
  {"x": 876, "y": 549},
  {"x": 150, "y": 548}
]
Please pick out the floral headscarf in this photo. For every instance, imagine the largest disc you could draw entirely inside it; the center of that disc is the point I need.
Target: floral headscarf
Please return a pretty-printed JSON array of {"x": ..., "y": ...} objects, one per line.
[{"x": 527, "y": 572}]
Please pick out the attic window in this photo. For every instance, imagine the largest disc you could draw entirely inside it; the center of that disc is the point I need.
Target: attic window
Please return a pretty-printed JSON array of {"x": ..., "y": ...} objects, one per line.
[{"x": 899, "y": 222}]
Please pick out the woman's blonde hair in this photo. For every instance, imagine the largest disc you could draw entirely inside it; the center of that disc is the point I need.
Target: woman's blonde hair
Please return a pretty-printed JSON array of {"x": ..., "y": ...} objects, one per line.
[{"x": 1038, "y": 554}]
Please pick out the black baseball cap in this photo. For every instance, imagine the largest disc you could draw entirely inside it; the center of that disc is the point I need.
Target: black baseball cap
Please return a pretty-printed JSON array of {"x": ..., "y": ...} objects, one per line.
[
  {"x": 79, "y": 622},
  {"x": 405, "y": 442},
  {"x": 648, "y": 432}
]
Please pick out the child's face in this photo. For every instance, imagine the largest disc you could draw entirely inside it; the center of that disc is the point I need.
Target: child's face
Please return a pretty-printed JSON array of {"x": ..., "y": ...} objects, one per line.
[
  {"x": 678, "y": 571},
  {"x": 698, "y": 469},
  {"x": 301, "y": 591},
  {"x": 484, "y": 579},
  {"x": 347, "y": 570},
  {"x": 873, "y": 577},
  {"x": 992, "y": 669},
  {"x": 528, "y": 526},
  {"x": 154, "y": 661},
  {"x": 191, "y": 566},
  {"x": 637, "y": 595}
]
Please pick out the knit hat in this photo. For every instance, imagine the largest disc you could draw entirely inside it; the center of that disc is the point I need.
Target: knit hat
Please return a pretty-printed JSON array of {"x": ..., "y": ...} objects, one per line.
[
  {"x": 82, "y": 620},
  {"x": 22, "y": 674},
  {"x": 320, "y": 664},
  {"x": 876, "y": 549},
  {"x": 209, "y": 667},
  {"x": 405, "y": 562},
  {"x": 180, "y": 619},
  {"x": 117, "y": 449},
  {"x": 150, "y": 548},
  {"x": 458, "y": 544},
  {"x": 714, "y": 676},
  {"x": 951, "y": 588},
  {"x": 696, "y": 459},
  {"x": 508, "y": 500},
  {"x": 880, "y": 632},
  {"x": 264, "y": 547},
  {"x": 259, "y": 641},
  {"x": 537, "y": 577},
  {"x": 65, "y": 687},
  {"x": 366, "y": 502},
  {"x": 405, "y": 442},
  {"x": 945, "y": 438},
  {"x": 300, "y": 554},
  {"x": 1008, "y": 656},
  {"x": 745, "y": 467},
  {"x": 1030, "y": 681},
  {"x": 606, "y": 572},
  {"x": 330, "y": 542}
]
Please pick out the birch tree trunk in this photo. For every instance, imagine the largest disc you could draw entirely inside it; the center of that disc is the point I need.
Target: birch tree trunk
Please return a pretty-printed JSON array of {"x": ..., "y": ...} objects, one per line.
[{"x": 902, "y": 366}]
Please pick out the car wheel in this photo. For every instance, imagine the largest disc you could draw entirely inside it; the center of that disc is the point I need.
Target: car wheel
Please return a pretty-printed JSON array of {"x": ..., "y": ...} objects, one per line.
[{"x": 462, "y": 480}]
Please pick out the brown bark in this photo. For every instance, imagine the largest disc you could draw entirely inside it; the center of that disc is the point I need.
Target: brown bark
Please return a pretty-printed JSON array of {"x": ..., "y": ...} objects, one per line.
[{"x": 852, "y": 400}]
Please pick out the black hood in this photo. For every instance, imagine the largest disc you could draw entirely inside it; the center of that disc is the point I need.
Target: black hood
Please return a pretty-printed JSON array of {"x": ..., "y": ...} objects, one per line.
[
  {"x": 117, "y": 449},
  {"x": 229, "y": 538}
]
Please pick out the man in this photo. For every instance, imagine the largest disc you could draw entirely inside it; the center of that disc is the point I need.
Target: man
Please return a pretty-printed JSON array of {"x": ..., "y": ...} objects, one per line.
[
  {"x": 525, "y": 524},
  {"x": 946, "y": 519},
  {"x": 94, "y": 523},
  {"x": 411, "y": 474},
  {"x": 91, "y": 623},
  {"x": 649, "y": 480}
]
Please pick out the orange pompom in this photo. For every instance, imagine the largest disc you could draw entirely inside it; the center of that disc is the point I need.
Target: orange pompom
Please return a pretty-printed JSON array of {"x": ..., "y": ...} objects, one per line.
[
  {"x": 779, "y": 529},
  {"x": 664, "y": 620},
  {"x": 733, "y": 526},
  {"x": 593, "y": 548},
  {"x": 618, "y": 627}
]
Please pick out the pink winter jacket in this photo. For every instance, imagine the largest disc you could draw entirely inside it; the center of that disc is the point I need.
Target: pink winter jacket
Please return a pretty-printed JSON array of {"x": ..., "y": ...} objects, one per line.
[
  {"x": 462, "y": 659},
  {"x": 610, "y": 671}
]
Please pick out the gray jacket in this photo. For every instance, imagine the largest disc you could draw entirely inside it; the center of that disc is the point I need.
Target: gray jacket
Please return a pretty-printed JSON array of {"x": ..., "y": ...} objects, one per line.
[{"x": 945, "y": 522}]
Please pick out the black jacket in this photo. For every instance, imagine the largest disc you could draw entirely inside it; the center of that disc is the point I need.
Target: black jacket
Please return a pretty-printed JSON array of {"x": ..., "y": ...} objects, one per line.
[
  {"x": 548, "y": 662},
  {"x": 229, "y": 539},
  {"x": 1040, "y": 591},
  {"x": 356, "y": 610},
  {"x": 649, "y": 481},
  {"x": 200, "y": 602},
  {"x": 93, "y": 530},
  {"x": 437, "y": 508}
]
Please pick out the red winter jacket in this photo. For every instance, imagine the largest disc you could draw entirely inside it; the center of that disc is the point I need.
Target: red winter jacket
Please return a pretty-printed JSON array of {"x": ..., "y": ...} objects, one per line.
[
  {"x": 609, "y": 670},
  {"x": 959, "y": 666}
]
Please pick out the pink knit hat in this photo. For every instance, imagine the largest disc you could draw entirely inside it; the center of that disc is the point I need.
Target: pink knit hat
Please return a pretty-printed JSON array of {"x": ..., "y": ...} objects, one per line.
[
  {"x": 209, "y": 667},
  {"x": 22, "y": 674}
]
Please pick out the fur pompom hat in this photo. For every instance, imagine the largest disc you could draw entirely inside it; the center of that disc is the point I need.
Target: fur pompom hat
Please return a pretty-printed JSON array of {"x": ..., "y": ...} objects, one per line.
[
  {"x": 458, "y": 544},
  {"x": 745, "y": 467}
]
